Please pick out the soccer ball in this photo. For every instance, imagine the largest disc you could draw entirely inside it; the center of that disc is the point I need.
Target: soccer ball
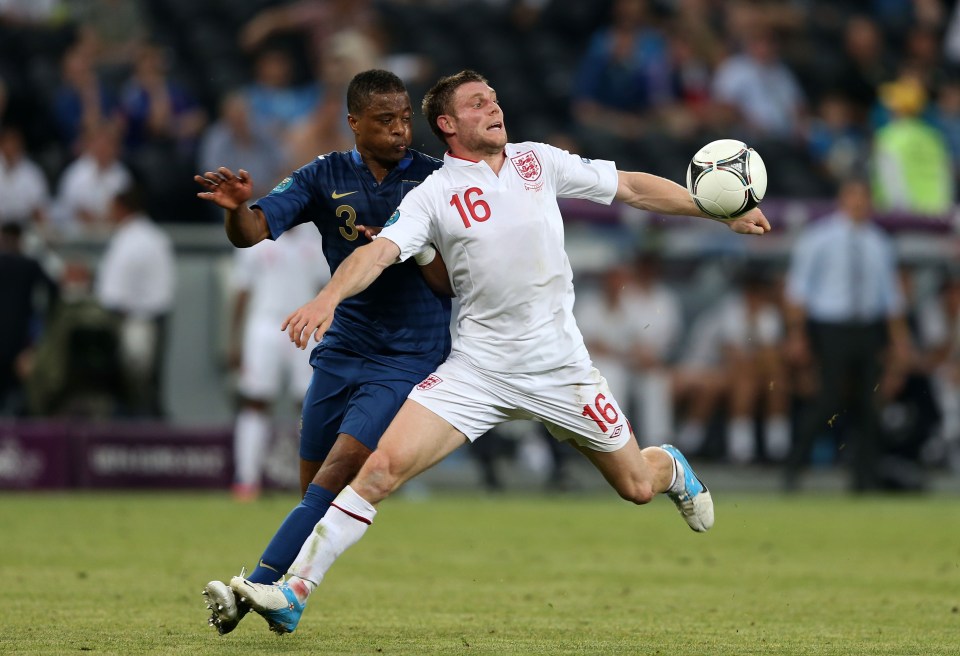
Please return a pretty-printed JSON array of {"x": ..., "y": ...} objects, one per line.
[{"x": 726, "y": 178}]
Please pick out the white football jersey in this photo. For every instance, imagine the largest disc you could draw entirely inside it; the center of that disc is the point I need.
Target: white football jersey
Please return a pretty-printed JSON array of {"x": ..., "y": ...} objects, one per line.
[
  {"x": 281, "y": 275},
  {"x": 501, "y": 238}
]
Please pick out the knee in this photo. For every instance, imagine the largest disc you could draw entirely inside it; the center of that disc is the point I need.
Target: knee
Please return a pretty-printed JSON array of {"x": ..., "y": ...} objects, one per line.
[
  {"x": 638, "y": 492},
  {"x": 378, "y": 478}
]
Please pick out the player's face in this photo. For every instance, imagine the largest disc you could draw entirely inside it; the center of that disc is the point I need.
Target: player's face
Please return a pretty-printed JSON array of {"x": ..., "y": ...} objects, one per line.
[
  {"x": 382, "y": 129},
  {"x": 478, "y": 120}
]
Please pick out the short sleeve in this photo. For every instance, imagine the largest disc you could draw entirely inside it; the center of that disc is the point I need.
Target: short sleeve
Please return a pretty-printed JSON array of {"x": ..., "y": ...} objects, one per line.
[
  {"x": 409, "y": 227},
  {"x": 579, "y": 177},
  {"x": 284, "y": 206}
]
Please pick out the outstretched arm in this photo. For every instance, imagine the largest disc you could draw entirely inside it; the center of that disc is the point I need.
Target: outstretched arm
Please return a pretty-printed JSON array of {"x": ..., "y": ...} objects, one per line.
[
  {"x": 244, "y": 226},
  {"x": 432, "y": 266},
  {"x": 354, "y": 274},
  {"x": 656, "y": 194}
]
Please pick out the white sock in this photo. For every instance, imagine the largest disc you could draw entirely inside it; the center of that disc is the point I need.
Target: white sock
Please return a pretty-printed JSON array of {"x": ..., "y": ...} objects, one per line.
[
  {"x": 678, "y": 482},
  {"x": 741, "y": 444},
  {"x": 250, "y": 438},
  {"x": 777, "y": 437},
  {"x": 344, "y": 524}
]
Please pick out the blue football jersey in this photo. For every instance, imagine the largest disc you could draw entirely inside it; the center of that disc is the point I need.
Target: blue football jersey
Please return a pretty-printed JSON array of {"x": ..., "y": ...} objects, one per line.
[{"x": 398, "y": 320}]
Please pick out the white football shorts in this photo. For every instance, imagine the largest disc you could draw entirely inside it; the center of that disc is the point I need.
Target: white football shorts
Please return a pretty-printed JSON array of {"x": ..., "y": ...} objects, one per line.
[
  {"x": 573, "y": 402},
  {"x": 271, "y": 363}
]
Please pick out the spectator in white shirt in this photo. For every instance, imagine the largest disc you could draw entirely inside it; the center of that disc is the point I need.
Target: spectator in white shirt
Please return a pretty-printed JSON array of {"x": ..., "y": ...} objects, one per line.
[
  {"x": 137, "y": 281},
  {"x": 88, "y": 186},
  {"x": 24, "y": 190},
  {"x": 631, "y": 328},
  {"x": 759, "y": 90},
  {"x": 752, "y": 338}
]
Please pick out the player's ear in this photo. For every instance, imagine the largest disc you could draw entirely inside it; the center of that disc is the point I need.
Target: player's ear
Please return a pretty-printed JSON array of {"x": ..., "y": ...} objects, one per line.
[
  {"x": 445, "y": 123},
  {"x": 352, "y": 121}
]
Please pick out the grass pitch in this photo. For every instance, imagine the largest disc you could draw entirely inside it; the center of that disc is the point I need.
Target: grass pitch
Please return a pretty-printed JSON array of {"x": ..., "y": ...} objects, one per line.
[{"x": 122, "y": 573}]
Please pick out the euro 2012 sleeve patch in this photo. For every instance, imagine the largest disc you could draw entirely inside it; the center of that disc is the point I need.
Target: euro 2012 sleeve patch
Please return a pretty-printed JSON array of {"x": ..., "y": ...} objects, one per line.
[
  {"x": 283, "y": 186},
  {"x": 393, "y": 218}
]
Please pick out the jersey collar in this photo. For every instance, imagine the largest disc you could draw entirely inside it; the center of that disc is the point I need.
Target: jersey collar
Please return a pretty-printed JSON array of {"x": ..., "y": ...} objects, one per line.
[
  {"x": 455, "y": 160},
  {"x": 402, "y": 165}
]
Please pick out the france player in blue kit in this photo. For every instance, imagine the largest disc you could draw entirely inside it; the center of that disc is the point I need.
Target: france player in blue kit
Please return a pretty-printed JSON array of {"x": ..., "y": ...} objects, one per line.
[{"x": 381, "y": 342}]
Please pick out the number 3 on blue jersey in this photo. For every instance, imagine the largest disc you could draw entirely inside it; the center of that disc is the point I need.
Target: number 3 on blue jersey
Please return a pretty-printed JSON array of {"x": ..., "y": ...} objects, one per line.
[{"x": 348, "y": 231}]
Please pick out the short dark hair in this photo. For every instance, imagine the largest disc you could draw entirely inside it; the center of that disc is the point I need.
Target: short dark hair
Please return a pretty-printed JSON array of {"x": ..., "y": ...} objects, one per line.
[
  {"x": 366, "y": 84},
  {"x": 11, "y": 230},
  {"x": 439, "y": 99},
  {"x": 131, "y": 198}
]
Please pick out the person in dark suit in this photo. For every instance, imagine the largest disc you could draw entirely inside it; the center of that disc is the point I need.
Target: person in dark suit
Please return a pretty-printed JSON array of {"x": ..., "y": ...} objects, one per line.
[{"x": 845, "y": 307}]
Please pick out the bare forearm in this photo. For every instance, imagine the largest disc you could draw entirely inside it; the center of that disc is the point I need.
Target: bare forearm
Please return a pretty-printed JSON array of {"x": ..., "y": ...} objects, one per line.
[
  {"x": 244, "y": 226},
  {"x": 361, "y": 268},
  {"x": 655, "y": 194}
]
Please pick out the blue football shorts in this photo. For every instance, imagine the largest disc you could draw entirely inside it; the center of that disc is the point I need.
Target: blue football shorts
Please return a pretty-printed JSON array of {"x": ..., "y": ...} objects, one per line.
[{"x": 352, "y": 395}]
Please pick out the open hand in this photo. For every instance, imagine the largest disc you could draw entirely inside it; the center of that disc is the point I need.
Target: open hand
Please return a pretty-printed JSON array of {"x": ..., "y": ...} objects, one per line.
[
  {"x": 227, "y": 190},
  {"x": 313, "y": 318}
]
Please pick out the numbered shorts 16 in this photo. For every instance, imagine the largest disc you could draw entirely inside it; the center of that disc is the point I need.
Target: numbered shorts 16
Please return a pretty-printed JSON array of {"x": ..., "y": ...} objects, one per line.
[{"x": 573, "y": 402}]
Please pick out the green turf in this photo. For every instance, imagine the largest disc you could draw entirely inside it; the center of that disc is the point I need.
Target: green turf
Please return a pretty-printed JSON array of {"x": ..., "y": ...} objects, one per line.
[{"x": 122, "y": 573}]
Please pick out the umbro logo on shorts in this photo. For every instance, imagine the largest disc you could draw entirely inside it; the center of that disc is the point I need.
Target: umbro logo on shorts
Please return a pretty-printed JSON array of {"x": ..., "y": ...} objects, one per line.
[{"x": 430, "y": 381}]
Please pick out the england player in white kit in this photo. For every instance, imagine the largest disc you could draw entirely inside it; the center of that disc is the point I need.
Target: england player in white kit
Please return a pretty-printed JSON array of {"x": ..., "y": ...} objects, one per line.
[
  {"x": 492, "y": 214},
  {"x": 269, "y": 278}
]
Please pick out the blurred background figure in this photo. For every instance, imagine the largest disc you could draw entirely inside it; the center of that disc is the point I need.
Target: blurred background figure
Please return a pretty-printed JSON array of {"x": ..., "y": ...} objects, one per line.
[
  {"x": 163, "y": 120},
  {"x": 76, "y": 370},
  {"x": 24, "y": 192},
  {"x": 913, "y": 171},
  {"x": 939, "y": 342},
  {"x": 631, "y": 325},
  {"x": 269, "y": 279},
  {"x": 82, "y": 101},
  {"x": 319, "y": 20},
  {"x": 88, "y": 186},
  {"x": 759, "y": 93},
  {"x": 623, "y": 77},
  {"x": 136, "y": 281},
  {"x": 946, "y": 117},
  {"x": 235, "y": 139},
  {"x": 845, "y": 307},
  {"x": 698, "y": 380},
  {"x": 653, "y": 349},
  {"x": 113, "y": 31},
  {"x": 28, "y": 297},
  {"x": 837, "y": 139},
  {"x": 275, "y": 97},
  {"x": 157, "y": 108},
  {"x": 325, "y": 129},
  {"x": 757, "y": 390},
  {"x": 865, "y": 62}
]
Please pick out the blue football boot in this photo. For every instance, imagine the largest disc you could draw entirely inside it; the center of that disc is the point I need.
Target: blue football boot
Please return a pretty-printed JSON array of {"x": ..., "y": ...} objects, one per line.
[
  {"x": 691, "y": 496},
  {"x": 275, "y": 602}
]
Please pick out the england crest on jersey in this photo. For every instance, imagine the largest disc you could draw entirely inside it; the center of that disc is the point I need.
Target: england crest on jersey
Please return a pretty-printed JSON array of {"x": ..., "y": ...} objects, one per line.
[{"x": 527, "y": 165}]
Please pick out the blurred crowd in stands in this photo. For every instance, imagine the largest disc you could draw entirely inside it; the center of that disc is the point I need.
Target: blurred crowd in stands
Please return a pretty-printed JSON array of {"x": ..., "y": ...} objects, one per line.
[{"x": 108, "y": 107}]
